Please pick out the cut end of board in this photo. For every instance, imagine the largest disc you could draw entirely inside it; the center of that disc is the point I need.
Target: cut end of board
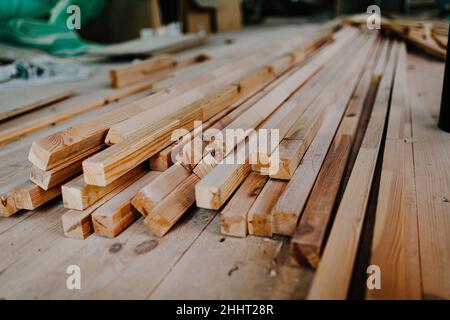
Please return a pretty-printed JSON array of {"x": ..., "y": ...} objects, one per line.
[
  {"x": 207, "y": 197},
  {"x": 39, "y": 156},
  {"x": 8, "y": 205},
  {"x": 93, "y": 173},
  {"x": 114, "y": 136}
]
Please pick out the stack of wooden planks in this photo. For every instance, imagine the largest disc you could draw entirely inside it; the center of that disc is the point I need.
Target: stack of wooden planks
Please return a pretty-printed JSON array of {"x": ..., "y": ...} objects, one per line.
[
  {"x": 319, "y": 128},
  {"x": 427, "y": 35}
]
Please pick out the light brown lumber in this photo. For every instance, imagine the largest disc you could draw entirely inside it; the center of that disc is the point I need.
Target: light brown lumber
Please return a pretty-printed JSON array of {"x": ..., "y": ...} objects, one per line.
[
  {"x": 302, "y": 125},
  {"x": 165, "y": 158},
  {"x": 396, "y": 226},
  {"x": 78, "y": 224},
  {"x": 277, "y": 59},
  {"x": 109, "y": 165},
  {"x": 8, "y": 205},
  {"x": 216, "y": 187},
  {"x": 431, "y": 151},
  {"x": 60, "y": 174},
  {"x": 289, "y": 206},
  {"x": 152, "y": 194},
  {"x": 209, "y": 162},
  {"x": 48, "y": 152},
  {"x": 29, "y": 196},
  {"x": 135, "y": 72},
  {"x": 117, "y": 214},
  {"x": 144, "y": 143},
  {"x": 79, "y": 195},
  {"x": 71, "y": 108},
  {"x": 219, "y": 184},
  {"x": 7, "y": 111},
  {"x": 234, "y": 216},
  {"x": 269, "y": 103},
  {"x": 309, "y": 238},
  {"x": 259, "y": 219},
  {"x": 333, "y": 276},
  {"x": 164, "y": 216},
  {"x": 206, "y": 84}
]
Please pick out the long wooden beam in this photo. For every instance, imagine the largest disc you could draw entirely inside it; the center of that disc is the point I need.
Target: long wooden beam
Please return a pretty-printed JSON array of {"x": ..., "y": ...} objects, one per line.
[
  {"x": 333, "y": 276},
  {"x": 309, "y": 238},
  {"x": 289, "y": 206}
]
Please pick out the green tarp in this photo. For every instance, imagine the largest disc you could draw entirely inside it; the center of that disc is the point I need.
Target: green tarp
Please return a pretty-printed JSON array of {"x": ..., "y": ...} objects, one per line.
[{"x": 43, "y": 24}]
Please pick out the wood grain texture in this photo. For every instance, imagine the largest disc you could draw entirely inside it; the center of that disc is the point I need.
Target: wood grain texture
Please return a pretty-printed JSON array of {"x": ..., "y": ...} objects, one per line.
[
  {"x": 79, "y": 195},
  {"x": 309, "y": 238},
  {"x": 117, "y": 214},
  {"x": 259, "y": 219},
  {"x": 164, "y": 216},
  {"x": 78, "y": 224},
  {"x": 289, "y": 207},
  {"x": 333, "y": 276},
  {"x": 25, "y": 103},
  {"x": 152, "y": 194},
  {"x": 431, "y": 162},
  {"x": 234, "y": 216},
  {"x": 135, "y": 72}
]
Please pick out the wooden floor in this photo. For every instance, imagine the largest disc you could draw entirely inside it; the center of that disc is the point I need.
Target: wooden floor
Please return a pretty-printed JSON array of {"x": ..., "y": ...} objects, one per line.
[{"x": 194, "y": 261}]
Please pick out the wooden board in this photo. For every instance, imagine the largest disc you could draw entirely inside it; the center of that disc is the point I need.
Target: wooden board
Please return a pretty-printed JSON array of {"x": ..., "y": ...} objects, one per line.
[
  {"x": 117, "y": 214},
  {"x": 333, "y": 276},
  {"x": 234, "y": 216},
  {"x": 309, "y": 238},
  {"x": 12, "y": 104},
  {"x": 260, "y": 214},
  {"x": 78, "y": 195},
  {"x": 135, "y": 72}
]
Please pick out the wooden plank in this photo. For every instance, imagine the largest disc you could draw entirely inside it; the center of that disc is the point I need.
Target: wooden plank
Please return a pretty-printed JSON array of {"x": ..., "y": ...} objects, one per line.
[
  {"x": 78, "y": 224},
  {"x": 315, "y": 104},
  {"x": 431, "y": 166},
  {"x": 108, "y": 165},
  {"x": 289, "y": 206},
  {"x": 8, "y": 205},
  {"x": 247, "y": 72},
  {"x": 135, "y": 72},
  {"x": 48, "y": 152},
  {"x": 24, "y": 103},
  {"x": 152, "y": 194},
  {"x": 269, "y": 103},
  {"x": 164, "y": 216},
  {"x": 401, "y": 270},
  {"x": 333, "y": 276},
  {"x": 234, "y": 216},
  {"x": 309, "y": 238},
  {"x": 29, "y": 196},
  {"x": 259, "y": 218},
  {"x": 60, "y": 174},
  {"x": 117, "y": 214},
  {"x": 78, "y": 195},
  {"x": 72, "y": 108}
]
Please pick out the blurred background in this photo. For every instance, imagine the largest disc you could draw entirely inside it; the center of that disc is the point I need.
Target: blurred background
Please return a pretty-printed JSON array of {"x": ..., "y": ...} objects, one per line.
[{"x": 114, "y": 21}]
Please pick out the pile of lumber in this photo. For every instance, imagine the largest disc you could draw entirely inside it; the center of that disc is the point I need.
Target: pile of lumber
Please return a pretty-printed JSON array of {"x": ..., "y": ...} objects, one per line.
[
  {"x": 336, "y": 106},
  {"x": 427, "y": 35}
]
